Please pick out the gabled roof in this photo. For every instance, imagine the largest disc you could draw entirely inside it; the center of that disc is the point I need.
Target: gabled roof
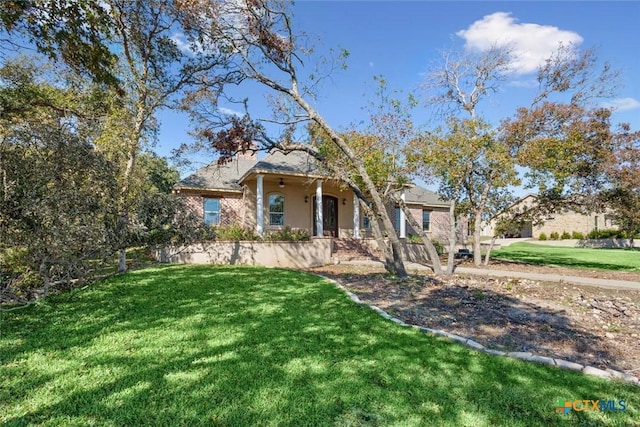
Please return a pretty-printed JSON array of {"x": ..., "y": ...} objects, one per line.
[
  {"x": 296, "y": 163},
  {"x": 422, "y": 196},
  {"x": 214, "y": 176}
]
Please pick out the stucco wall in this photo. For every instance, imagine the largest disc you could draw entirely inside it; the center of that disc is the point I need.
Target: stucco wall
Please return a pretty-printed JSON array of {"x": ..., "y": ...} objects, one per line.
[{"x": 314, "y": 253}]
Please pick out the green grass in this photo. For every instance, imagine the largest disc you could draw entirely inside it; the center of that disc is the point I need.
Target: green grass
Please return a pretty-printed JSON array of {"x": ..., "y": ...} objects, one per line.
[
  {"x": 600, "y": 259},
  {"x": 232, "y": 346}
]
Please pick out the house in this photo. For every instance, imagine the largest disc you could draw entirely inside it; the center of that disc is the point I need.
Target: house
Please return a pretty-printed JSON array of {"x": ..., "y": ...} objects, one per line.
[
  {"x": 559, "y": 222},
  {"x": 294, "y": 190}
]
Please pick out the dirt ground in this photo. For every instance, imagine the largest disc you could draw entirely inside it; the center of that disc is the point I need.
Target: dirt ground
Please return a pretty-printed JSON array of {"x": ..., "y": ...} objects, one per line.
[{"x": 583, "y": 324}]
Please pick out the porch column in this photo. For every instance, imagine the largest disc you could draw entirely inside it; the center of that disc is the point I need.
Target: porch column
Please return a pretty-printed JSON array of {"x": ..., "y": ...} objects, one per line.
[
  {"x": 356, "y": 217},
  {"x": 259, "y": 206},
  {"x": 403, "y": 220},
  {"x": 319, "y": 230}
]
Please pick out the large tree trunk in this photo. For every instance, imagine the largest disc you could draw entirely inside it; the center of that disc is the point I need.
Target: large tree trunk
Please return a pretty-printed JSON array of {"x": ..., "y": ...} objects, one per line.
[
  {"x": 436, "y": 266},
  {"x": 398, "y": 267},
  {"x": 452, "y": 238},
  {"x": 477, "y": 223},
  {"x": 487, "y": 256},
  {"x": 377, "y": 234}
]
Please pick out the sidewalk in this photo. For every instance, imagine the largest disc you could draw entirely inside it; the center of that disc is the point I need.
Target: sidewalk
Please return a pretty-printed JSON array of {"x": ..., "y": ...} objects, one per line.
[{"x": 558, "y": 278}]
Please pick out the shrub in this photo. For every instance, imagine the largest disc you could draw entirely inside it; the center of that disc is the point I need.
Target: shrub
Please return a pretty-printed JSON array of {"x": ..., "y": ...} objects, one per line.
[
  {"x": 289, "y": 234},
  {"x": 438, "y": 245},
  {"x": 542, "y": 236},
  {"x": 554, "y": 235},
  {"x": 414, "y": 239},
  {"x": 235, "y": 232},
  {"x": 607, "y": 234},
  {"x": 565, "y": 235},
  {"x": 577, "y": 235}
]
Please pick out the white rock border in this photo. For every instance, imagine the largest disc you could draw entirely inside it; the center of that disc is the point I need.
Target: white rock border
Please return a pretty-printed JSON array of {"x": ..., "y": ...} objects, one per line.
[{"x": 609, "y": 374}]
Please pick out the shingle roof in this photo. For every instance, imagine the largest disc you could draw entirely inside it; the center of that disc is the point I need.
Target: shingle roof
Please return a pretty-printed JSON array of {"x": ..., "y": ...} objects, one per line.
[
  {"x": 224, "y": 177},
  {"x": 293, "y": 163},
  {"x": 417, "y": 194}
]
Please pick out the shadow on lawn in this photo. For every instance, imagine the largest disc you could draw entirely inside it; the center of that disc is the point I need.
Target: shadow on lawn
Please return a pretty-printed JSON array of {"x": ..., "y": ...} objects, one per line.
[{"x": 243, "y": 346}]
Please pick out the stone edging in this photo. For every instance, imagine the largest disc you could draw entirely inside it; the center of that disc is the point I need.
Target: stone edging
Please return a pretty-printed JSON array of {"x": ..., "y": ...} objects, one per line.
[{"x": 530, "y": 357}]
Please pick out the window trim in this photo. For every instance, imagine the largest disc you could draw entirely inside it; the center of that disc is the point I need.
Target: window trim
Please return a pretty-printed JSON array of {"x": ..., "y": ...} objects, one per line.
[
  {"x": 269, "y": 212},
  {"x": 428, "y": 212},
  {"x": 205, "y": 211}
]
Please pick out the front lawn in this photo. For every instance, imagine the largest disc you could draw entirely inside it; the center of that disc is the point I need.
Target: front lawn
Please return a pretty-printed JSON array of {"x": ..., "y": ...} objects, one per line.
[
  {"x": 232, "y": 346},
  {"x": 601, "y": 259}
]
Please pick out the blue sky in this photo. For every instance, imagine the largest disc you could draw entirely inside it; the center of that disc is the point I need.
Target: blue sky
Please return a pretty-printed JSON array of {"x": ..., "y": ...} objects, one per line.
[{"x": 400, "y": 40}]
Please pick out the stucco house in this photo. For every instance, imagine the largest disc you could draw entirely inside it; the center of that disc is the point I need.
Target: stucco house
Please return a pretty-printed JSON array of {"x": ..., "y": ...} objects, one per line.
[
  {"x": 294, "y": 190},
  {"x": 558, "y": 222}
]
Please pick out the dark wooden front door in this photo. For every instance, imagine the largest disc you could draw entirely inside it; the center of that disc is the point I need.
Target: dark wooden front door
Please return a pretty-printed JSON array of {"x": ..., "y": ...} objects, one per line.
[{"x": 329, "y": 216}]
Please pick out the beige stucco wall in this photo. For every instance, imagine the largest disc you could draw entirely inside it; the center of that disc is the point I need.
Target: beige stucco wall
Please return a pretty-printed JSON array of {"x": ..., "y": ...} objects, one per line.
[
  {"x": 297, "y": 212},
  {"x": 314, "y": 253}
]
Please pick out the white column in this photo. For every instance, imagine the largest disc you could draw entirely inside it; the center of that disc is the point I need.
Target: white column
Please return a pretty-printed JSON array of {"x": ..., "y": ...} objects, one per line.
[
  {"x": 356, "y": 217},
  {"x": 319, "y": 230},
  {"x": 403, "y": 220},
  {"x": 259, "y": 207}
]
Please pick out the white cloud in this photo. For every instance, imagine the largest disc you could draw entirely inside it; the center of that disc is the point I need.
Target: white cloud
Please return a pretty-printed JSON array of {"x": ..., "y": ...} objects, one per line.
[
  {"x": 181, "y": 43},
  {"x": 623, "y": 104},
  {"x": 230, "y": 112},
  {"x": 531, "y": 43}
]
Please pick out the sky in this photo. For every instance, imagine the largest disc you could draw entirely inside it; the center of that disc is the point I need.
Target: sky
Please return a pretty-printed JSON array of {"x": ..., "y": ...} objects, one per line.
[{"x": 402, "y": 40}]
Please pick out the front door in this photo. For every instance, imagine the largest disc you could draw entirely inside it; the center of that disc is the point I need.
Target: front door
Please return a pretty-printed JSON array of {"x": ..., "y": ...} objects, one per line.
[{"x": 329, "y": 216}]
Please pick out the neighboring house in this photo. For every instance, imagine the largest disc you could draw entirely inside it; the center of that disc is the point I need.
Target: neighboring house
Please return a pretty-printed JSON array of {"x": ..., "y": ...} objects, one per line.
[
  {"x": 559, "y": 222},
  {"x": 294, "y": 190}
]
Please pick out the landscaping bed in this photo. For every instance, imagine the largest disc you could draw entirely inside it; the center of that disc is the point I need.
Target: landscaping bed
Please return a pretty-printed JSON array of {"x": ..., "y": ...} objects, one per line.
[{"x": 583, "y": 324}]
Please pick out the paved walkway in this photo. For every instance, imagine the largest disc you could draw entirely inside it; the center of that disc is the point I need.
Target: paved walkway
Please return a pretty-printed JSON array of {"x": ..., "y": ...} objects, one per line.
[{"x": 542, "y": 277}]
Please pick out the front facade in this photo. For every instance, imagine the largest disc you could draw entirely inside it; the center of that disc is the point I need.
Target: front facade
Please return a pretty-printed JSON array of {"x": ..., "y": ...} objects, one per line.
[{"x": 292, "y": 190}]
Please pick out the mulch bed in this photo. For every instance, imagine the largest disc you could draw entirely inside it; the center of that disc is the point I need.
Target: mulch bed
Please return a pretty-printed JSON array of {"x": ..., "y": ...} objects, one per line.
[{"x": 583, "y": 324}]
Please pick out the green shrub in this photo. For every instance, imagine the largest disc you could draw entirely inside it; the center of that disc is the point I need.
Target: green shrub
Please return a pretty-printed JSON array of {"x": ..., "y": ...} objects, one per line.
[
  {"x": 565, "y": 235},
  {"x": 438, "y": 245},
  {"x": 289, "y": 234},
  {"x": 554, "y": 235},
  {"x": 577, "y": 235},
  {"x": 607, "y": 234},
  {"x": 542, "y": 236},
  {"x": 414, "y": 238},
  {"x": 235, "y": 232}
]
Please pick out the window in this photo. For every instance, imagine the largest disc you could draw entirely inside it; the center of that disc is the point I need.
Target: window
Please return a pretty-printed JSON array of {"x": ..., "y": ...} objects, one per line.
[
  {"x": 212, "y": 211},
  {"x": 398, "y": 219},
  {"x": 426, "y": 220},
  {"x": 366, "y": 222},
  {"x": 276, "y": 210}
]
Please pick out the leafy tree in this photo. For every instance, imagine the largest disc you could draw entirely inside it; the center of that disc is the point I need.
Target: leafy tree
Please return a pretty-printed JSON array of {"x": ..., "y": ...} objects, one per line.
[
  {"x": 76, "y": 31},
  {"x": 482, "y": 173},
  {"x": 159, "y": 176},
  {"x": 623, "y": 172},
  {"x": 155, "y": 73},
  {"x": 57, "y": 192}
]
